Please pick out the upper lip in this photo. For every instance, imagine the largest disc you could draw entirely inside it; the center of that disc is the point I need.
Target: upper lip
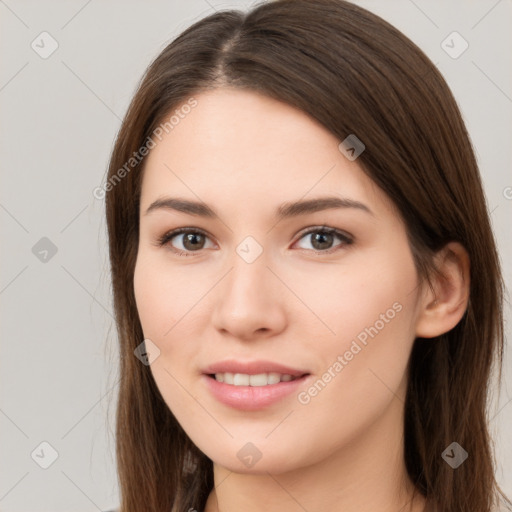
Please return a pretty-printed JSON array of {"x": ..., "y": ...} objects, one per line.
[{"x": 252, "y": 368}]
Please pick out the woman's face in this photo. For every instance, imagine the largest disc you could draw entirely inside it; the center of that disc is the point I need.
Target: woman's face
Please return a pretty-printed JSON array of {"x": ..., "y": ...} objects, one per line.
[{"x": 260, "y": 287}]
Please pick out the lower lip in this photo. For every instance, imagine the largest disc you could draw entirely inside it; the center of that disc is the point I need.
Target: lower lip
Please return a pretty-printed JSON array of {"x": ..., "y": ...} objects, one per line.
[{"x": 251, "y": 398}]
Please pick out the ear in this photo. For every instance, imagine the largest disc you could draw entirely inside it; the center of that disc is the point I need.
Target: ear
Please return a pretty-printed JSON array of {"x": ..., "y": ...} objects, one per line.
[{"x": 442, "y": 308}]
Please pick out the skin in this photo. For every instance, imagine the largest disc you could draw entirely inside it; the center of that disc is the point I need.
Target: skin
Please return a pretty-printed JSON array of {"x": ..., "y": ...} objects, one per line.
[{"x": 245, "y": 154}]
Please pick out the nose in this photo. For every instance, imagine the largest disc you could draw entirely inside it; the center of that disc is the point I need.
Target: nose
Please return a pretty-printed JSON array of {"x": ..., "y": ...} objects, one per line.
[{"x": 249, "y": 301}]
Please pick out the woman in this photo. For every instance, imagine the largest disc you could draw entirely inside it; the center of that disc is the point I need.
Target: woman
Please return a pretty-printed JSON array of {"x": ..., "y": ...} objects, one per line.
[{"x": 303, "y": 266}]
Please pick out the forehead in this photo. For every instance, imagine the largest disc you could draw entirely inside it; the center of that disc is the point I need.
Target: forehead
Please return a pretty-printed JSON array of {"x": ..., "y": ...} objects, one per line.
[{"x": 242, "y": 147}]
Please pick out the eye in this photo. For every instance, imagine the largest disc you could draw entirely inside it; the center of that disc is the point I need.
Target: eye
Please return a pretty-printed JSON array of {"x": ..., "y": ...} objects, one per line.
[
  {"x": 321, "y": 239},
  {"x": 190, "y": 240}
]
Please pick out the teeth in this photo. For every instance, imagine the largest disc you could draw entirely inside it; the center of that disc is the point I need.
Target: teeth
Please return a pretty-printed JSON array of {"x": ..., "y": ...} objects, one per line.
[
  {"x": 240, "y": 379},
  {"x": 261, "y": 379}
]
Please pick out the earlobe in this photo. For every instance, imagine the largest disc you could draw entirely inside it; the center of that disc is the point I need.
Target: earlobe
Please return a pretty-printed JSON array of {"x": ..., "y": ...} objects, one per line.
[{"x": 444, "y": 305}]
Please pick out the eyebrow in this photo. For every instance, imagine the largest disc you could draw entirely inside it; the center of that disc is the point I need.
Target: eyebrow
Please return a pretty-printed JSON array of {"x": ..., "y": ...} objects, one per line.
[{"x": 286, "y": 210}]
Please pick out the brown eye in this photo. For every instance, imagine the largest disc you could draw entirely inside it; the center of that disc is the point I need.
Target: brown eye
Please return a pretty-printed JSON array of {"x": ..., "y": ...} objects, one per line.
[
  {"x": 193, "y": 241},
  {"x": 185, "y": 240},
  {"x": 321, "y": 239}
]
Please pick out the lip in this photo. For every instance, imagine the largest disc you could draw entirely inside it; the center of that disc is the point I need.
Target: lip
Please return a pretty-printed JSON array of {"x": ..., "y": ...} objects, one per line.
[
  {"x": 252, "y": 368},
  {"x": 251, "y": 398}
]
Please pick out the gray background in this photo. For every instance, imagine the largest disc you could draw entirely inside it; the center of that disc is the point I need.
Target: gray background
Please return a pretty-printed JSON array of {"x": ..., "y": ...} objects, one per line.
[{"x": 60, "y": 115}]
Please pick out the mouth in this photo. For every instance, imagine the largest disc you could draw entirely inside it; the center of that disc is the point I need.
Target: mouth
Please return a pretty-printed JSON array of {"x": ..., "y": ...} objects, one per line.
[{"x": 253, "y": 385}]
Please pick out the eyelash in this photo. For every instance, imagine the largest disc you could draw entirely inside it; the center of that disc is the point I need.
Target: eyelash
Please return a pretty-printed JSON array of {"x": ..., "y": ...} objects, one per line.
[{"x": 345, "y": 238}]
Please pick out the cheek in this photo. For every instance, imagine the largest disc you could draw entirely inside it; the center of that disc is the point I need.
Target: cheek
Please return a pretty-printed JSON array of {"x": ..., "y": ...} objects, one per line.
[
  {"x": 150, "y": 300},
  {"x": 369, "y": 296},
  {"x": 171, "y": 311},
  {"x": 163, "y": 296},
  {"x": 162, "y": 312},
  {"x": 364, "y": 364},
  {"x": 368, "y": 312}
]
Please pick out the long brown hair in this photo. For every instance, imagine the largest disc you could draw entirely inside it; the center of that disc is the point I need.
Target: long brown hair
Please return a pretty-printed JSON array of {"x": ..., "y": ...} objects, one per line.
[{"x": 355, "y": 74}]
